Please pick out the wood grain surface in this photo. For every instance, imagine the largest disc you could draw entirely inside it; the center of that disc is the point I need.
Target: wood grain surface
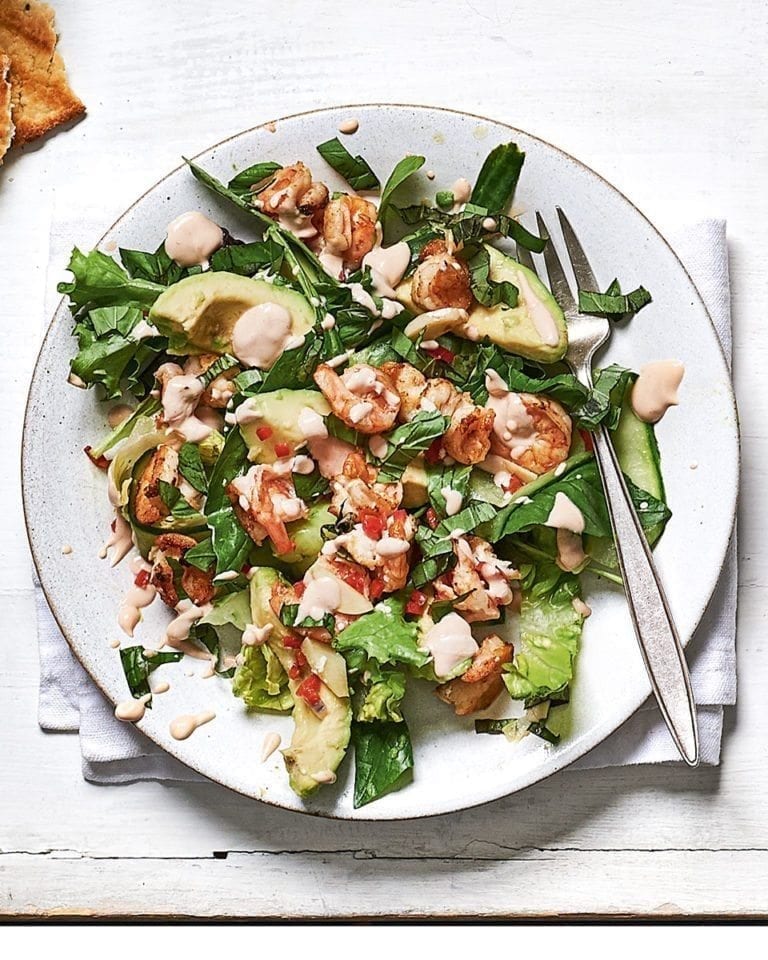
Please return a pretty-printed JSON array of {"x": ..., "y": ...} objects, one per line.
[{"x": 666, "y": 101}]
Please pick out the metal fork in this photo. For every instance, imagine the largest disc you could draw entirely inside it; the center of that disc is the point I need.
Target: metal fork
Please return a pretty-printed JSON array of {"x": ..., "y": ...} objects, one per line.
[{"x": 654, "y": 627}]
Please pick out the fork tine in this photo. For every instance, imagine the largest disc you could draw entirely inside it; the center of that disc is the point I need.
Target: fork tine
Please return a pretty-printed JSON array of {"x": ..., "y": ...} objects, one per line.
[
  {"x": 558, "y": 282},
  {"x": 581, "y": 268},
  {"x": 524, "y": 256}
]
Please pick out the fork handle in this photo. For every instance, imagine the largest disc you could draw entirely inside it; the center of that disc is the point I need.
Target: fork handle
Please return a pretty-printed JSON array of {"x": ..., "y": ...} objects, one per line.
[{"x": 648, "y": 606}]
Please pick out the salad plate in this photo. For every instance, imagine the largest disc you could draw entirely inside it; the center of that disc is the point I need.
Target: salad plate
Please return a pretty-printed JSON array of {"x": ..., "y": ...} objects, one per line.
[{"x": 68, "y": 512}]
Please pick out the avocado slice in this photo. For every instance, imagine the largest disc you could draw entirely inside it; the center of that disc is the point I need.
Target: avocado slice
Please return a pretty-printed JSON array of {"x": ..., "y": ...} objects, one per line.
[
  {"x": 318, "y": 744},
  {"x": 414, "y": 481},
  {"x": 199, "y": 313},
  {"x": 534, "y": 329},
  {"x": 280, "y": 411},
  {"x": 307, "y": 537}
]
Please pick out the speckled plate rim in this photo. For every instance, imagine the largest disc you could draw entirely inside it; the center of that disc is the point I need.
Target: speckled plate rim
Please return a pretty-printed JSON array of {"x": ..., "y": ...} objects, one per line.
[{"x": 600, "y": 731}]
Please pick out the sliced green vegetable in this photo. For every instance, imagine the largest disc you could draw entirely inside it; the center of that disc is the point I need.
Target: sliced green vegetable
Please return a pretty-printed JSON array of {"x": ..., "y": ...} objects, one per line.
[{"x": 355, "y": 170}]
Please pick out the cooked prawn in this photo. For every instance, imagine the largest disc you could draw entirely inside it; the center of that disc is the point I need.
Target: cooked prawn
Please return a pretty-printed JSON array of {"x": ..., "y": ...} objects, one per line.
[
  {"x": 295, "y": 199},
  {"x": 149, "y": 507},
  {"x": 363, "y": 397},
  {"x": 468, "y": 437},
  {"x": 480, "y": 574},
  {"x": 349, "y": 229},
  {"x": 538, "y": 437},
  {"x": 441, "y": 279},
  {"x": 264, "y": 501},
  {"x": 197, "y": 584},
  {"x": 383, "y": 551},
  {"x": 482, "y": 683},
  {"x": 355, "y": 491},
  {"x": 220, "y": 391}
]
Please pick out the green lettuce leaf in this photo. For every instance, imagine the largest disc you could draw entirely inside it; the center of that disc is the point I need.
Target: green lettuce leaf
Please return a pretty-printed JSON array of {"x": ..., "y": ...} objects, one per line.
[
  {"x": 384, "y": 635},
  {"x": 550, "y": 632},
  {"x": 383, "y": 756},
  {"x": 99, "y": 281},
  {"x": 261, "y": 682},
  {"x": 109, "y": 355}
]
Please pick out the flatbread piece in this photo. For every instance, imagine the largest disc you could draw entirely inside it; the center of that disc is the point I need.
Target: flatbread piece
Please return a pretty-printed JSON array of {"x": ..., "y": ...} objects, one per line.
[
  {"x": 6, "y": 122},
  {"x": 40, "y": 95}
]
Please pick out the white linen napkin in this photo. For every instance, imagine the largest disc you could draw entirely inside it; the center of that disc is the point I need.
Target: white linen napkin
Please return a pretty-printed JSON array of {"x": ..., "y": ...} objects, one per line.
[{"x": 115, "y": 752}]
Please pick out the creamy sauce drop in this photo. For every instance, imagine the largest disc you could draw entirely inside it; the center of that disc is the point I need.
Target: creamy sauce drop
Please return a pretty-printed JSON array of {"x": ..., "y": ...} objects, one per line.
[
  {"x": 180, "y": 397},
  {"x": 360, "y": 295},
  {"x": 378, "y": 446},
  {"x": 311, "y": 424},
  {"x": 120, "y": 540},
  {"x": 655, "y": 389},
  {"x": 185, "y": 725},
  {"x": 270, "y": 743},
  {"x": 132, "y": 710},
  {"x": 461, "y": 190},
  {"x": 570, "y": 551},
  {"x": 134, "y": 601},
  {"x": 349, "y": 126},
  {"x": 546, "y": 328},
  {"x": 118, "y": 414},
  {"x": 330, "y": 454},
  {"x": 333, "y": 263},
  {"x": 162, "y": 686},
  {"x": 388, "y": 266},
  {"x": 565, "y": 515},
  {"x": 261, "y": 334},
  {"x": 450, "y": 642},
  {"x": 453, "y": 501},
  {"x": 580, "y": 607},
  {"x": 322, "y": 596},
  {"x": 66, "y": 549},
  {"x": 392, "y": 547},
  {"x": 254, "y": 636},
  {"x": 511, "y": 423},
  {"x": 177, "y": 631},
  {"x": 192, "y": 238}
]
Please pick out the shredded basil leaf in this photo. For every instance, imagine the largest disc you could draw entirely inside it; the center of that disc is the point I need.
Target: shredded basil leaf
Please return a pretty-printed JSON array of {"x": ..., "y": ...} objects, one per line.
[
  {"x": 408, "y": 441},
  {"x": 355, "y": 170},
  {"x": 137, "y": 667},
  {"x": 244, "y": 182},
  {"x": 191, "y": 467}
]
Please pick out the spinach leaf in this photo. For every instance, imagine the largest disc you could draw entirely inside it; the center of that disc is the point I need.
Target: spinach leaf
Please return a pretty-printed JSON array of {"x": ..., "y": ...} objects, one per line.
[
  {"x": 383, "y": 755},
  {"x": 497, "y": 181},
  {"x": 385, "y": 635},
  {"x": 242, "y": 183},
  {"x": 403, "y": 169},
  {"x": 156, "y": 267},
  {"x": 99, "y": 281},
  {"x": 201, "y": 556},
  {"x": 230, "y": 542},
  {"x": 247, "y": 259},
  {"x": 292, "y": 369},
  {"x": 191, "y": 467},
  {"x": 172, "y": 498},
  {"x": 310, "y": 486},
  {"x": 137, "y": 667},
  {"x": 355, "y": 170},
  {"x": 408, "y": 441}
]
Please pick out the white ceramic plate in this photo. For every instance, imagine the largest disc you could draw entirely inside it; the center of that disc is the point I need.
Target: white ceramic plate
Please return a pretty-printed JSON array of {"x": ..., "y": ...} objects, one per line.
[{"x": 65, "y": 498}]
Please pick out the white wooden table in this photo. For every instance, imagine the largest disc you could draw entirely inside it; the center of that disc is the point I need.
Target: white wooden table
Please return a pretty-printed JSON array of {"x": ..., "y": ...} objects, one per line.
[{"x": 668, "y": 101}]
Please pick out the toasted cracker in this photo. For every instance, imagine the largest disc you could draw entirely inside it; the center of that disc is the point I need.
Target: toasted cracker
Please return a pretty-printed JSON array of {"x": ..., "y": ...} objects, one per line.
[
  {"x": 41, "y": 96},
  {"x": 6, "y": 122}
]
